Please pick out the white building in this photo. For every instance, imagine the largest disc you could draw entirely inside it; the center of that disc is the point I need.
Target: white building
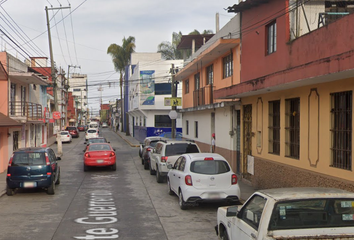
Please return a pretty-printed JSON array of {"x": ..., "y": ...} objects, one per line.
[
  {"x": 149, "y": 85},
  {"x": 78, "y": 86}
]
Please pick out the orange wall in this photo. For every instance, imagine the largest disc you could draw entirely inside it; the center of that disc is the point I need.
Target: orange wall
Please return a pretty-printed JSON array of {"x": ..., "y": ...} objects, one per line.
[{"x": 219, "y": 81}]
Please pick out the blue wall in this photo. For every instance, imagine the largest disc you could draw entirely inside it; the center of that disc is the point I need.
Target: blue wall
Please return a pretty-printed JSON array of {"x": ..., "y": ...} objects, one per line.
[{"x": 140, "y": 133}]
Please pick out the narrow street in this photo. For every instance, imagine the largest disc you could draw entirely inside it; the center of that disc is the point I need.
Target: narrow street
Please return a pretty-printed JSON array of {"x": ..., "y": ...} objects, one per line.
[{"x": 136, "y": 206}]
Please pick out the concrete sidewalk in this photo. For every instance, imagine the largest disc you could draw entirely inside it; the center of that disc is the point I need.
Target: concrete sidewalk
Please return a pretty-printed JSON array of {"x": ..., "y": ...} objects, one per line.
[{"x": 246, "y": 189}]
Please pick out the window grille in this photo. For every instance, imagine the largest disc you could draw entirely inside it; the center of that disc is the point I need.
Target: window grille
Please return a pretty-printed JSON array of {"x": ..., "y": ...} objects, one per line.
[
  {"x": 292, "y": 128},
  {"x": 341, "y": 130},
  {"x": 274, "y": 127}
]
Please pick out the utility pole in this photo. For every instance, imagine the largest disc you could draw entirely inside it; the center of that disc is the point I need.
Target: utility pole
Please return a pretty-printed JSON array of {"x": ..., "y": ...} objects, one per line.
[
  {"x": 174, "y": 95},
  {"x": 67, "y": 86},
  {"x": 54, "y": 80}
]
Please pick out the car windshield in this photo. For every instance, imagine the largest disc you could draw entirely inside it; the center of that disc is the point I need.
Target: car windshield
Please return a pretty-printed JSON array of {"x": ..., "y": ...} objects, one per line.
[
  {"x": 209, "y": 167},
  {"x": 92, "y": 131},
  {"x": 64, "y": 133},
  {"x": 28, "y": 158},
  {"x": 312, "y": 213},
  {"x": 97, "y": 140},
  {"x": 180, "y": 148},
  {"x": 153, "y": 143},
  {"x": 99, "y": 147},
  {"x": 71, "y": 128}
]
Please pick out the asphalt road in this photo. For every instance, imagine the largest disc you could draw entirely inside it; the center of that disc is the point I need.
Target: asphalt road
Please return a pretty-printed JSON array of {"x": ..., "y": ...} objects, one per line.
[{"x": 103, "y": 204}]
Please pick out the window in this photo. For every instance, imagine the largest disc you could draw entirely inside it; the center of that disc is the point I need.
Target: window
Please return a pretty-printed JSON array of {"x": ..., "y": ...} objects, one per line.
[
  {"x": 162, "y": 88},
  {"x": 341, "y": 130},
  {"x": 210, "y": 167},
  {"x": 227, "y": 65},
  {"x": 187, "y": 127},
  {"x": 196, "y": 129},
  {"x": 180, "y": 148},
  {"x": 210, "y": 75},
  {"x": 292, "y": 128},
  {"x": 271, "y": 37},
  {"x": 274, "y": 127},
  {"x": 197, "y": 81},
  {"x": 162, "y": 121},
  {"x": 186, "y": 86},
  {"x": 252, "y": 212}
]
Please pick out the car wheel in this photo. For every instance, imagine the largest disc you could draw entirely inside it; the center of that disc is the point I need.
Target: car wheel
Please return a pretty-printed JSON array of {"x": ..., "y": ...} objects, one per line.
[
  {"x": 146, "y": 165},
  {"x": 58, "y": 180},
  {"x": 169, "y": 191},
  {"x": 114, "y": 167},
  {"x": 9, "y": 191},
  {"x": 51, "y": 189},
  {"x": 159, "y": 178},
  {"x": 152, "y": 172},
  {"x": 85, "y": 168},
  {"x": 182, "y": 204},
  {"x": 225, "y": 236}
]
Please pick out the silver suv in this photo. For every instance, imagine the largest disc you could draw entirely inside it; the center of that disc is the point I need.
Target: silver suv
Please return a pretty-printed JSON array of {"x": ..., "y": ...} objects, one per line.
[{"x": 166, "y": 152}]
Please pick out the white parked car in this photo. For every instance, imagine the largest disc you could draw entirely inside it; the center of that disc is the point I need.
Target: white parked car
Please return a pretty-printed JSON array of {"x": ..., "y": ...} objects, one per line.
[
  {"x": 290, "y": 213},
  {"x": 65, "y": 136},
  {"x": 91, "y": 133},
  {"x": 202, "y": 177},
  {"x": 104, "y": 125},
  {"x": 166, "y": 152}
]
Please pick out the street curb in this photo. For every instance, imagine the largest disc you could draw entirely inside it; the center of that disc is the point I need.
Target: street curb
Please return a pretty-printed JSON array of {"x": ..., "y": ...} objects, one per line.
[{"x": 132, "y": 145}]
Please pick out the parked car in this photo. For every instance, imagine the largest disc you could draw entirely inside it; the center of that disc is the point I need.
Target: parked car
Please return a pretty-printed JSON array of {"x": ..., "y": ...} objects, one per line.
[
  {"x": 100, "y": 155},
  {"x": 73, "y": 131},
  {"x": 146, "y": 148},
  {"x": 104, "y": 125},
  {"x": 93, "y": 125},
  {"x": 202, "y": 177},
  {"x": 169, "y": 135},
  {"x": 167, "y": 152},
  {"x": 81, "y": 128},
  {"x": 65, "y": 136},
  {"x": 95, "y": 140},
  {"x": 91, "y": 133},
  {"x": 33, "y": 168},
  {"x": 290, "y": 213}
]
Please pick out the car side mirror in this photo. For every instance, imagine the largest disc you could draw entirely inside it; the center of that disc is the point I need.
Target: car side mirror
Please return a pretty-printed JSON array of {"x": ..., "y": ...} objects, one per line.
[
  {"x": 232, "y": 211},
  {"x": 85, "y": 142},
  {"x": 169, "y": 166},
  {"x": 83, "y": 150},
  {"x": 58, "y": 158},
  {"x": 108, "y": 142},
  {"x": 114, "y": 149}
]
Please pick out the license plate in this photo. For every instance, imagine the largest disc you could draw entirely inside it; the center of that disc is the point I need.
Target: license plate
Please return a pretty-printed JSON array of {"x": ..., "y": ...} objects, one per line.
[
  {"x": 214, "y": 195},
  {"x": 99, "y": 161},
  {"x": 29, "y": 184}
]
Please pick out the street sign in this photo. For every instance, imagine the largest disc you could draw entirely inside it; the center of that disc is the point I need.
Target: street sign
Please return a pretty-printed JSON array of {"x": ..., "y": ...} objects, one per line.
[
  {"x": 56, "y": 115},
  {"x": 173, "y": 114},
  {"x": 173, "y": 101}
]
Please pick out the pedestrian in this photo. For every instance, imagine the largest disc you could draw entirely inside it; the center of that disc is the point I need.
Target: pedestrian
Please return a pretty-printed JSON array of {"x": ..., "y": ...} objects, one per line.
[{"x": 213, "y": 143}]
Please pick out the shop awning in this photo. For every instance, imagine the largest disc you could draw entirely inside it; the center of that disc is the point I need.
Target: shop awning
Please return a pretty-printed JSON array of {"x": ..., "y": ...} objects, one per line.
[{"x": 6, "y": 121}]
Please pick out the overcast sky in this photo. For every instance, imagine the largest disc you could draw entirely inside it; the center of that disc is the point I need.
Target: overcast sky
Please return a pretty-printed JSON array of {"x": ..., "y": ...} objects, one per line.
[{"x": 93, "y": 25}]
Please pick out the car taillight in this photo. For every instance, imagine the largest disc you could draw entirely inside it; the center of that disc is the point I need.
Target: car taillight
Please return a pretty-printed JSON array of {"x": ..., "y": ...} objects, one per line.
[
  {"x": 10, "y": 162},
  {"x": 68, "y": 136},
  {"x": 164, "y": 159},
  {"x": 9, "y": 174},
  {"x": 208, "y": 159},
  {"x": 112, "y": 154},
  {"x": 47, "y": 162},
  {"x": 49, "y": 173},
  {"x": 188, "y": 180},
  {"x": 87, "y": 154},
  {"x": 148, "y": 149},
  {"x": 233, "y": 179}
]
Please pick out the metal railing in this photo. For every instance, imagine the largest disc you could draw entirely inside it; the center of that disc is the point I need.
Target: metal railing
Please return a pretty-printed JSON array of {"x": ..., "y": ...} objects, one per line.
[
  {"x": 31, "y": 111},
  {"x": 203, "y": 96}
]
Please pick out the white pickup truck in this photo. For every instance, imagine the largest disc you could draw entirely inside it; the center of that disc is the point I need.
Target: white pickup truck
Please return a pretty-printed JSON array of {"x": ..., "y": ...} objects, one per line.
[{"x": 289, "y": 213}]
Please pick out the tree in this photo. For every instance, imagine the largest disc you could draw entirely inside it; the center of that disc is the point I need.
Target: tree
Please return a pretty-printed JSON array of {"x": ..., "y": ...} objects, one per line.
[
  {"x": 169, "y": 50},
  {"x": 121, "y": 58}
]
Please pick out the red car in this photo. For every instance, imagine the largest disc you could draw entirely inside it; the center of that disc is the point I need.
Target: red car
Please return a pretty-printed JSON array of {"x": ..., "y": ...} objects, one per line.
[
  {"x": 100, "y": 155},
  {"x": 73, "y": 131},
  {"x": 81, "y": 128}
]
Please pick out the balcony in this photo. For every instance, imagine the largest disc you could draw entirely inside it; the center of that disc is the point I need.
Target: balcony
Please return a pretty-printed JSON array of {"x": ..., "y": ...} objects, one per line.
[
  {"x": 203, "y": 96},
  {"x": 25, "y": 111}
]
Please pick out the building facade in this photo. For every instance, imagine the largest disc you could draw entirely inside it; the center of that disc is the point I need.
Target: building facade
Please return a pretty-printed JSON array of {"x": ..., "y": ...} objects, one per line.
[{"x": 296, "y": 93}]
